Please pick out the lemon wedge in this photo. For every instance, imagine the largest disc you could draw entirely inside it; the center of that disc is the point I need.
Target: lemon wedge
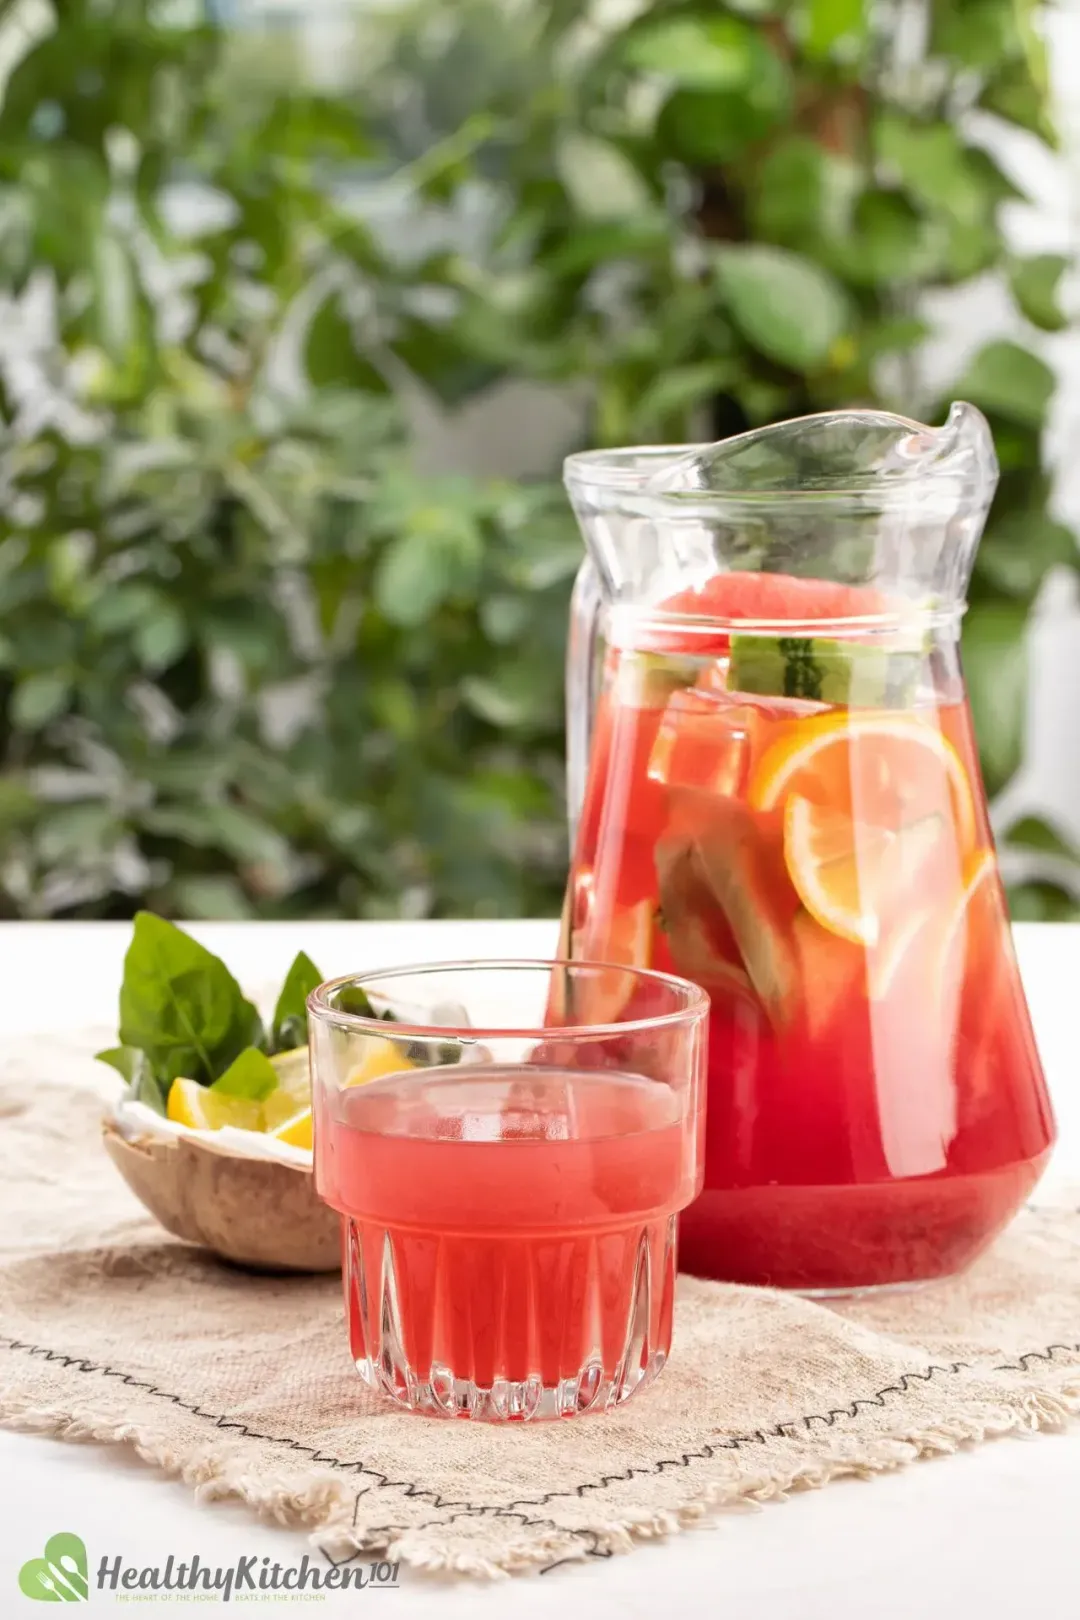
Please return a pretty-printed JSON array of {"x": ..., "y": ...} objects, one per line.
[
  {"x": 207, "y": 1110},
  {"x": 380, "y": 1059},
  {"x": 294, "y": 1073},
  {"x": 296, "y": 1131}
]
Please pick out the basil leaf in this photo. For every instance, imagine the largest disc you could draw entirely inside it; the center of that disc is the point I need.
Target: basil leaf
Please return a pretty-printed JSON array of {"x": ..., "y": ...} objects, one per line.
[
  {"x": 147, "y": 1089},
  {"x": 143, "y": 1084},
  {"x": 250, "y": 1075},
  {"x": 181, "y": 1006},
  {"x": 351, "y": 999},
  {"x": 289, "y": 1028},
  {"x": 126, "y": 1060}
]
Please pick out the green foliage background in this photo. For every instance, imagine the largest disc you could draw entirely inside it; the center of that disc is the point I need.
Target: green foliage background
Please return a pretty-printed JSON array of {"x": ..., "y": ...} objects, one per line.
[{"x": 252, "y": 662}]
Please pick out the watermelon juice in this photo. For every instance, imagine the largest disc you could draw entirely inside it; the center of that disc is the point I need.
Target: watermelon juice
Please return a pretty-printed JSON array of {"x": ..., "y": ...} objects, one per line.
[
  {"x": 509, "y": 1234},
  {"x": 796, "y": 822}
]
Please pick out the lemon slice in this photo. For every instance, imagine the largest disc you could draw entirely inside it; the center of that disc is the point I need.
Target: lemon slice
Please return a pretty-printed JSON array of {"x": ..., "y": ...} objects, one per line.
[
  {"x": 380, "y": 1058},
  {"x": 207, "y": 1110},
  {"x": 850, "y": 875},
  {"x": 817, "y": 757},
  {"x": 296, "y": 1130},
  {"x": 294, "y": 1073}
]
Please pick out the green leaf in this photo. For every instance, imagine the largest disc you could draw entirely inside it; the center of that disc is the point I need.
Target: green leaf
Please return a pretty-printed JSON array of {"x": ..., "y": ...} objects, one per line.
[
  {"x": 180, "y": 1004},
  {"x": 352, "y": 999},
  {"x": 162, "y": 637},
  {"x": 39, "y": 698},
  {"x": 1042, "y": 902},
  {"x": 600, "y": 181},
  {"x": 1033, "y": 832},
  {"x": 787, "y": 197},
  {"x": 420, "y": 569},
  {"x": 143, "y": 1085},
  {"x": 331, "y": 358},
  {"x": 996, "y": 671},
  {"x": 1034, "y": 283},
  {"x": 717, "y": 126},
  {"x": 1020, "y": 549},
  {"x": 679, "y": 390},
  {"x": 290, "y": 1022},
  {"x": 706, "y": 53},
  {"x": 149, "y": 1091},
  {"x": 251, "y": 1074},
  {"x": 932, "y": 163},
  {"x": 126, "y": 1060},
  {"x": 1008, "y": 381},
  {"x": 833, "y": 23},
  {"x": 786, "y": 306},
  {"x": 977, "y": 33},
  {"x": 1015, "y": 96}
]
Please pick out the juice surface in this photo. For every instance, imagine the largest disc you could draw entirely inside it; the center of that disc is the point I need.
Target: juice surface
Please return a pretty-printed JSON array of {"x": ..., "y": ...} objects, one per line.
[
  {"x": 876, "y": 1109},
  {"x": 507, "y": 1229}
]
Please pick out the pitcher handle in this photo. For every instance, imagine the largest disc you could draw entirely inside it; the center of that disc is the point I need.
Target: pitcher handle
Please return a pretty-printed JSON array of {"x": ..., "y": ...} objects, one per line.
[{"x": 581, "y": 688}]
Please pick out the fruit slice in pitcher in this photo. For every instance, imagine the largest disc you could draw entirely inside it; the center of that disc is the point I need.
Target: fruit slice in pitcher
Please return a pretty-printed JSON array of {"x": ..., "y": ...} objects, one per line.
[
  {"x": 705, "y": 741},
  {"x": 739, "y": 858},
  {"x": 624, "y": 939},
  {"x": 854, "y": 877},
  {"x": 696, "y": 936},
  {"x": 884, "y": 769}
]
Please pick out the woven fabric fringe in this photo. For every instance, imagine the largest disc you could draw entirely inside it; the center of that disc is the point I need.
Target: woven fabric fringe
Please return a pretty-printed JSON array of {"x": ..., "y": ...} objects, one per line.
[{"x": 241, "y": 1385}]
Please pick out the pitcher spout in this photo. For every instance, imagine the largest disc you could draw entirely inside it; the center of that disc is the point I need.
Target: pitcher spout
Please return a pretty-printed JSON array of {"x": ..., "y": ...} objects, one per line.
[{"x": 857, "y": 497}]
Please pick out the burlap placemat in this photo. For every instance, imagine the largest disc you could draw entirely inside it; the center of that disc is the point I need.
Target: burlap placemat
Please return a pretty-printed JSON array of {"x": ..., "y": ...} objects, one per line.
[{"x": 242, "y": 1386}]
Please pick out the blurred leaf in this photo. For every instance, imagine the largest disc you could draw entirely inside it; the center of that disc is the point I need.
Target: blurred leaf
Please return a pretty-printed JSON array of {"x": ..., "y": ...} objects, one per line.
[
  {"x": 707, "y": 53},
  {"x": 1042, "y": 902},
  {"x": 1034, "y": 283},
  {"x": 331, "y": 359},
  {"x": 39, "y": 698},
  {"x": 1014, "y": 96},
  {"x": 932, "y": 163},
  {"x": 419, "y": 570},
  {"x": 1020, "y": 549},
  {"x": 1009, "y": 381},
  {"x": 682, "y": 389},
  {"x": 718, "y": 124},
  {"x": 786, "y": 202},
  {"x": 834, "y": 22},
  {"x": 785, "y": 305},
  {"x": 161, "y": 637},
  {"x": 996, "y": 673},
  {"x": 601, "y": 182},
  {"x": 977, "y": 33},
  {"x": 1032, "y": 832}
]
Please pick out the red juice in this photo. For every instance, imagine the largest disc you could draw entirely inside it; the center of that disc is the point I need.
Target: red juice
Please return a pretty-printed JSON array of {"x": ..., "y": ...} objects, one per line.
[
  {"x": 825, "y": 870},
  {"x": 509, "y": 1233}
]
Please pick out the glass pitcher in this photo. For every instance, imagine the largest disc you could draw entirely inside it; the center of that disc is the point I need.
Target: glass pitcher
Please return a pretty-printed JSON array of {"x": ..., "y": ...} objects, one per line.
[{"x": 774, "y": 790}]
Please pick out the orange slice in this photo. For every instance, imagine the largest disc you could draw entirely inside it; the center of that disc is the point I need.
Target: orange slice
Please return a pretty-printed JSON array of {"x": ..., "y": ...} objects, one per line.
[
  {"x": 850, "y": 875},
  {"x": 888, "y": 769}
]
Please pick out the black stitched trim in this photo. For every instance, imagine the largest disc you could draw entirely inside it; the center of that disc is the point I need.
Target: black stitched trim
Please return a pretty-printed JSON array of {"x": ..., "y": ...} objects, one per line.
[{"x": 512, "y": 1510}]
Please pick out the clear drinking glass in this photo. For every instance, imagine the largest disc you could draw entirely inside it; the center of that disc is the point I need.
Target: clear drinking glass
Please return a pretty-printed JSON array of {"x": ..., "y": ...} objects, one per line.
[{"x": 509, "y": 1145}]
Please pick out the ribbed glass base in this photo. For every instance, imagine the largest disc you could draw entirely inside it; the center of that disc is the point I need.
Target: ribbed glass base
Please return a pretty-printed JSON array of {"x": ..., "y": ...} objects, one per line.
[{"x": 510, "y": 1329}]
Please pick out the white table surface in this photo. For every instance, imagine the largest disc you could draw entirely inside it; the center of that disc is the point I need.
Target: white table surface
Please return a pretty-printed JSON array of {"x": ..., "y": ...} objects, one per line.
[{"x": 991, "y": 1532}]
